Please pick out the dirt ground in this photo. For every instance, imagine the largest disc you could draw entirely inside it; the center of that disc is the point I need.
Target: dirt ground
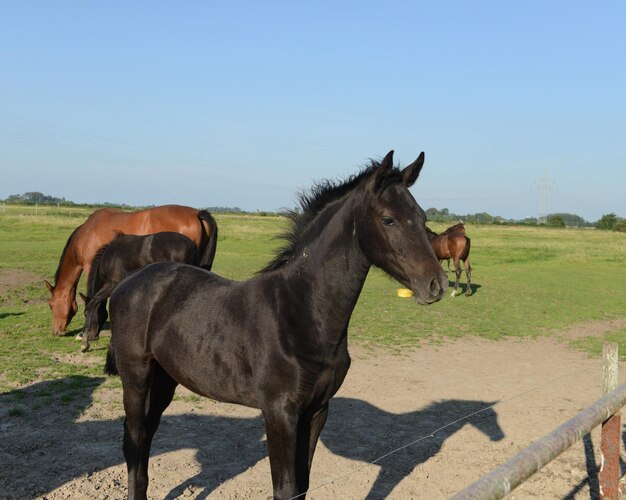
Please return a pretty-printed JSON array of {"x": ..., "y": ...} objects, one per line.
[{"x": 415, "y": 402}]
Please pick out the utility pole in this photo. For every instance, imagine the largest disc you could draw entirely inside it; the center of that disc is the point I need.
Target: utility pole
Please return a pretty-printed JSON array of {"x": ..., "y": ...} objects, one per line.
[{"x": 544, "y": 186}]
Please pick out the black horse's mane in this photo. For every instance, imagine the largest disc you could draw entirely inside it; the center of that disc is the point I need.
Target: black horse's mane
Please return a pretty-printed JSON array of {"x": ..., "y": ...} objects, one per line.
[
  {"x": 95, "y": 264},
  {"x": 57, "y": 274},
  {"x": 313, "y": 202}
]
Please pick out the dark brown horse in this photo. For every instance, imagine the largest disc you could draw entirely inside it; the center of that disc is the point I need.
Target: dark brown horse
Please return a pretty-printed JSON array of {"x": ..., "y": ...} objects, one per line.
[
  {"x": 278, "y": 341},
  {"x": 124, "y": 255},
  {"x": 453, "y": 244},
  {"x": 105, "y": 224}
]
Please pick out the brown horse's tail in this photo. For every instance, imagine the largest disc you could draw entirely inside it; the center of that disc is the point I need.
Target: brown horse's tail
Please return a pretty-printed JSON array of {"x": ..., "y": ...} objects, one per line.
[
  {"x": 110, "y": 368},
  {"x": 209, "y": 241},
  {"x": 466, "y": 250}
]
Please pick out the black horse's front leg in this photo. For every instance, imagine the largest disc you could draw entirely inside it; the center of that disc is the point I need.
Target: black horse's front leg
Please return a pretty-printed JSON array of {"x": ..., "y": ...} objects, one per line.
[
  {"x": 281, "y": 426},
  {"x": 102, "y": 317}
]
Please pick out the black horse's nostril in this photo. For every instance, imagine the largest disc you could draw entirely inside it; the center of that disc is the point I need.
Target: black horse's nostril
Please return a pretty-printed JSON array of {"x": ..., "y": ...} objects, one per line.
[{"x": 435, "y": 288}]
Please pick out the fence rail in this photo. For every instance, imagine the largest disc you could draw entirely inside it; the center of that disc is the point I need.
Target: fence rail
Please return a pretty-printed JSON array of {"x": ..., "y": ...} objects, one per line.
[{"x": 502, "y": 480}]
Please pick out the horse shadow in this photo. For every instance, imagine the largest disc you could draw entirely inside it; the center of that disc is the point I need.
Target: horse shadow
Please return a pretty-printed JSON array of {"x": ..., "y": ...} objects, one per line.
[
  {"x": 47, "y": 449},
  {"x": 375, "y": 432},
  {"x": 463, "y": 287},
  {"x": 8, "y": 314}
]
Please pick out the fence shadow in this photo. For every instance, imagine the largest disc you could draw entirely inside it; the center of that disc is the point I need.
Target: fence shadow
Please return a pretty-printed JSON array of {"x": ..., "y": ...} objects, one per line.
[
  {"x": 593, "y": 469},
  {"x": 360, "y": 431}
]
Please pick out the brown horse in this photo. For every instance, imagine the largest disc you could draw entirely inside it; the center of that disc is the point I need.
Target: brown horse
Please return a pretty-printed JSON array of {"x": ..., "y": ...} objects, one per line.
[
  {"x": 104, "y": 225},
  {"x": 459, "y": 227},
  {"x": 453, "y": 244}
]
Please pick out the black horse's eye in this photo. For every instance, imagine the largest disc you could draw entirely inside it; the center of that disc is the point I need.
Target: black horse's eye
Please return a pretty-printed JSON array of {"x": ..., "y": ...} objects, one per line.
[{"x": 388, "y": 221}]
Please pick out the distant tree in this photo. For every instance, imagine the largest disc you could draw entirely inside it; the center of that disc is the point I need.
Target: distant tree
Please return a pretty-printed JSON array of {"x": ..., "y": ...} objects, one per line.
[
  {"x": 555, "y": 220},
  {"x": 620, "y": 226},
  {"x": 439, "y": 215},
  {"x": 35, "y": 197},
  {"x": 480, "y": 218},
  {"x": 607, "y": 221},
  {"x": 530, "y": 221},
  {"x": 571, "y": 220}
]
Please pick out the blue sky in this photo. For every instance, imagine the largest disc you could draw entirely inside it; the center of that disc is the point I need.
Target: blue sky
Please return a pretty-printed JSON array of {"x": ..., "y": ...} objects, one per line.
[{"x": 246, "y": 103}]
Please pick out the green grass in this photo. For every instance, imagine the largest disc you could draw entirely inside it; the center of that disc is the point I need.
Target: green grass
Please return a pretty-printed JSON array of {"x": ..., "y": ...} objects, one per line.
[
  {"x": 529, "y": 282},
  {"x": 594, "y": 344}
]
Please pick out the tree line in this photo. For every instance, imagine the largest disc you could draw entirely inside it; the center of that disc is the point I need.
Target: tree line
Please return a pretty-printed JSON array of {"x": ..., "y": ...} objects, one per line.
[{"x": 606, "y": 222}]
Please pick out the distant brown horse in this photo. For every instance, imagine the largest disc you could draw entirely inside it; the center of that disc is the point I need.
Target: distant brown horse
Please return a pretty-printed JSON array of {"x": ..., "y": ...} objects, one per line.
[
  {"x": 459, "y": 227},
  {"x": 104, "y": 225},
  {"x": 453, "y": 244}
]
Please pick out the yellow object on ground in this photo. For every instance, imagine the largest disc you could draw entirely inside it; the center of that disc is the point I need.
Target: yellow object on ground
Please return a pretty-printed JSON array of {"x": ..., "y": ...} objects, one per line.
[{"x": 404, "y": 292}]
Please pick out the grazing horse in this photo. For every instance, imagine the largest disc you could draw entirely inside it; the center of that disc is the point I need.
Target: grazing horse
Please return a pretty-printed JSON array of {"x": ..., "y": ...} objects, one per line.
[
  {"x": 278, "y": 341},
  {"x": 105, "y": 224},
  {"x": 453, "y": 244},
  {"x": 125, "y": 254}
]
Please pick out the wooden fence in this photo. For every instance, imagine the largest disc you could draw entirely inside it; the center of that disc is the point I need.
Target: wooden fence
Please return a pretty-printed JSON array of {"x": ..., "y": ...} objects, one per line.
[{"x": 502, "y": 480}]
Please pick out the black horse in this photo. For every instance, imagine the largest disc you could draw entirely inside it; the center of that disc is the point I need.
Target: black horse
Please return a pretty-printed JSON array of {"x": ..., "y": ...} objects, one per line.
[
  {"x": 125, "y": 254},
  {"x": 278, "y": 341}
]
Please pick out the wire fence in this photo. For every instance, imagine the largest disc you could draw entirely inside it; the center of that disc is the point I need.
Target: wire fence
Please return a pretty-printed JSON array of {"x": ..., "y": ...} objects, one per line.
[{"x": 433, "y": 434}]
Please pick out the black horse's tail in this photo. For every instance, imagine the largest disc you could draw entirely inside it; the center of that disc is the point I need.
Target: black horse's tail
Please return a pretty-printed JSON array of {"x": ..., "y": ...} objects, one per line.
[
  {"x": 110, "y": 368},
  {"x": 209, "y": 241}
]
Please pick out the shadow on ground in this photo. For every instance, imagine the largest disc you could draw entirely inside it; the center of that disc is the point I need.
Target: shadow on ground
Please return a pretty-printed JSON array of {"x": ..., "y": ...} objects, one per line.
[{"x": 47, "y": 447}]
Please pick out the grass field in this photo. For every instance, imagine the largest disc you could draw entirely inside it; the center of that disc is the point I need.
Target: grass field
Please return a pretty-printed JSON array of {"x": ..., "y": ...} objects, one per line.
[{"x": 528, "y": 282}]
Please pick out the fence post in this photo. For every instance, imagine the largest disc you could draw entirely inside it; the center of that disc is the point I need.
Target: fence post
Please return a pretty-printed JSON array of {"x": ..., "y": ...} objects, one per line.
[{"x": 610, "y": 441}]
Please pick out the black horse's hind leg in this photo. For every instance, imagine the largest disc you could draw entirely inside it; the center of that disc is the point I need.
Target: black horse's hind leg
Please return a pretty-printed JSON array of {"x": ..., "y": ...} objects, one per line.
[
  {"x": 317, "y": 424},
  {"x": 162, "y": 391},
  {"x": 149, "y": 383},
  {"x": 137, "y": 389},
  {"x": 281, "y": 426}
]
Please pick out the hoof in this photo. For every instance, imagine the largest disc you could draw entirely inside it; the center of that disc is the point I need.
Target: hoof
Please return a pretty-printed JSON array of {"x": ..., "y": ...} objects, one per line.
[
  {"x": 79, "y": 336},
  {"x": 84, "y": 348},
  {"x": 453, "y": 294}
]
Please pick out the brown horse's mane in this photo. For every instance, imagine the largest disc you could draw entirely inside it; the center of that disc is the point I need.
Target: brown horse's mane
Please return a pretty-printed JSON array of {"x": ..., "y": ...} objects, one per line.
[
  {"x": 312, "y": 203},
  {"x": 458, "y": 227},
  {"x": 57, "y": 274}
]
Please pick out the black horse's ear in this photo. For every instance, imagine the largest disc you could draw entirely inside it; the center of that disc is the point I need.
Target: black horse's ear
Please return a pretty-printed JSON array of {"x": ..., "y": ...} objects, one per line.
[
  {"x": 383, "y": 170},
  {"x": 412, "y": 171},
  {"x": 84, "y": 297}
]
